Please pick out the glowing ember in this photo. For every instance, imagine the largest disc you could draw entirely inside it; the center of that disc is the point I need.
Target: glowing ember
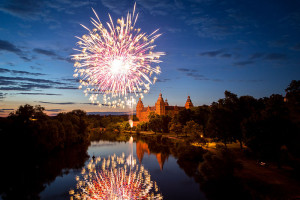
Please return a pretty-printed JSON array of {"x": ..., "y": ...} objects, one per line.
[
  {"x": 116, "y": 61},
  {"x": 115, "y": 179}
]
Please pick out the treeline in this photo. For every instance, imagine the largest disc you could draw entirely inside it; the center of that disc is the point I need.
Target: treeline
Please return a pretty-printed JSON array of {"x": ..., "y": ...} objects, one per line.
[
  {"x": 269, "y": 126},
  {"x": 30, "y": 129}
]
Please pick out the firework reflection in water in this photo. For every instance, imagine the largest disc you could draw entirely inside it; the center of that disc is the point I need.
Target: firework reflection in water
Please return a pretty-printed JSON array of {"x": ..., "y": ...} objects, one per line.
[{"x": 115, "y": 178}]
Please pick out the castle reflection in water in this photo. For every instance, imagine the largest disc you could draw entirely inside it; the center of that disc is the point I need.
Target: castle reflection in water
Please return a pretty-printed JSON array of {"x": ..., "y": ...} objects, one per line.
[{"x": 142, "y": 148}]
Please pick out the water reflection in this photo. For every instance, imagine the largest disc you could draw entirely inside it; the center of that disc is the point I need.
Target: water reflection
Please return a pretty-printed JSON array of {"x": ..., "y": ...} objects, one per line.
[
  {"x": 142, "y": 148},
  {"x": 51, "y": 177},
  {"x": 25, "y": 176},
  {"x": 115, "y": 178}
]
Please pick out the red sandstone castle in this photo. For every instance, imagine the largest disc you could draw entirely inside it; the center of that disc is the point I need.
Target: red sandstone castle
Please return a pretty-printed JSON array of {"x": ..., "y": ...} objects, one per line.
[{"x": 161, "y": 108}]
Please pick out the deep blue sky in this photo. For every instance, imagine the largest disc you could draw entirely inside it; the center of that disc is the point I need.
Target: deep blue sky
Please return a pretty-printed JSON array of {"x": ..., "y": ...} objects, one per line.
[{"x": 246, "y": 47}]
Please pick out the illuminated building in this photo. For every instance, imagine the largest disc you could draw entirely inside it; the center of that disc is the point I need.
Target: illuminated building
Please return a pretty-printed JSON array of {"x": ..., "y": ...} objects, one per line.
[{"x": 161, "y": 108}]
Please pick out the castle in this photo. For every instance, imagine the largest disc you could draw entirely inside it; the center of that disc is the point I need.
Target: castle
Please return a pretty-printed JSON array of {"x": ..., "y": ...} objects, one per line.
[{"x": 161, "y": 108}]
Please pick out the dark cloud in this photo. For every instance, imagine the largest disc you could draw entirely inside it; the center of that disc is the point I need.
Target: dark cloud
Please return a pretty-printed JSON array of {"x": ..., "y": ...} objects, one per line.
[
  {"x": 10, "y": 64},
  {"x": 212, "y": 53},
  {"x": 174, "y": 30},
  {"x": 296, "y": 47},
  {"x": 5, "y": 110},
  {"x": 158, "y": 7},
  {"x": 89, "y": 103},
  {"x": 45, "y": 52},
  {"x": 183, "y": 69},
  {"x": 108, "y": 113},
  {"x": 163, "y": 80},
  {"x": 57, "y": 103},
  {"x": 54, "y": 110},
  {"x": 35, "y": 68},
  {"x": 249, "y": 81},
  {"x": 36, "y": 9},
  {"x": 52, "y": 54},
  {"x": 217, "y": 80},
  {"x": 116, "y": 6},
  {"x": 226, "y": 55},
  {"x": 25, "y": 9},
  {"x": 70, "y": 80},
  {"x": 2, "y": 70},
  {"x": 197, "y": 76},
  {"x": 7, "y": 82},
  {"x": 243, "y": 63},
  {"x": 275, "y": 56},
  {"x": 34, "y": 80},
  {"x": 26, "y": 84},
  {"x": 67, "y": 88},
  {"x": 49, "y": 94},
  {"x": 278, "y": 43},
  {"x": 256, "y": 56},
  {"x": 7, "y": 46},
  {"x": 192, "y": 73}
]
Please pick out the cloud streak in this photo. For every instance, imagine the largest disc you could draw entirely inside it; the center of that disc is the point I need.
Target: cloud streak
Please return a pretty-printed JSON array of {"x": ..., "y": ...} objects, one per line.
[
  {"x": 31, "y": 84},
  {"x": 57, "y": 103},
  {"x": 48, "y": 94},
  {"x": 276, "y": 56},
  {"x": 7, "y": 46},
  {"x": 243, "y": 63},
  {"x": 51, "y": 54},
  {"x": 17, "y": 72},
  {"x": 212, "y": 53},
  {"x": 193, "y": 74}
]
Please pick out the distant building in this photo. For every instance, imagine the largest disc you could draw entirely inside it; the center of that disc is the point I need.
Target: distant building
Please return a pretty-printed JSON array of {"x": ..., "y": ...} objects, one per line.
[{"x": 161, "y": 108}]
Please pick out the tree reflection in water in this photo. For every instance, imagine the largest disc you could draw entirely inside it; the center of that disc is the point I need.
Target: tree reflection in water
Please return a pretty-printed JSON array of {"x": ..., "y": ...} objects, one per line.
[
  {"x": 214, "y": 173},
  {"x": 24, "y": 175}
]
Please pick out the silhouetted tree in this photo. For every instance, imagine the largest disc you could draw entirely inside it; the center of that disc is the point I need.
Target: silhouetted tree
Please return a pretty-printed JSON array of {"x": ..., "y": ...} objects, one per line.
[
  {"x": 166, "y": 119},
  {"x": 155, "y": 122},
  {"x": 192, "y": 129},
  {"x": 185, "y": 115},
  {"x": 201, "y": 116},
  {"x": 175, "y": 128}
]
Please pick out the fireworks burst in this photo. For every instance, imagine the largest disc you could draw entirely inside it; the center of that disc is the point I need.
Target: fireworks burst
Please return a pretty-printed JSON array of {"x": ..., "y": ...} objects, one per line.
[
  {"x": 115, "y": 179},
  {"x": 116, "y": 61}
]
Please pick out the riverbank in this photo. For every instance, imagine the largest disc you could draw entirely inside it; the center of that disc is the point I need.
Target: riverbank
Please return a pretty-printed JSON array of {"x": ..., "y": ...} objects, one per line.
[{"x": 262, "y": 180}]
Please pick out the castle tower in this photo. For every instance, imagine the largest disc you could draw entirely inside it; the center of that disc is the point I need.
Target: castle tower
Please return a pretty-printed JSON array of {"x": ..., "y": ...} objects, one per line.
[
  {"x": 188, "y": 103},
  {"x": 166, "y": 102},
  {"x": 139, "y": 109},
  {"x": 160, "y": 106}
]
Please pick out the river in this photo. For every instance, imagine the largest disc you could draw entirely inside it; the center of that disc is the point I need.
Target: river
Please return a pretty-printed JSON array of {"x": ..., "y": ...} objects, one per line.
[{"x": 171, "y": 179}]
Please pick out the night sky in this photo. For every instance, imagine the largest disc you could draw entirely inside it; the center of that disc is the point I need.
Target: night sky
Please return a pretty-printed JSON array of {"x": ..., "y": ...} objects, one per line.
[{"x": 246, "y": 47}]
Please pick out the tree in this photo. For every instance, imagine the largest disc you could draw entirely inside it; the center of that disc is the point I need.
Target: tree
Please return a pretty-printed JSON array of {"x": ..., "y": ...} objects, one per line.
[
  {"x": 267, "y": 131},
  {"x": 201, "y": 116},
  {"x": 166, "y": 119},
  {"x": 176, "y": 128},
  {"x": 185, "y": 115},
  {"x": 155, "y": 122},
  {"x": 220, "y": 126},
  {"x": 27, "y": 113},
  {"x": 192, "y": 128}
]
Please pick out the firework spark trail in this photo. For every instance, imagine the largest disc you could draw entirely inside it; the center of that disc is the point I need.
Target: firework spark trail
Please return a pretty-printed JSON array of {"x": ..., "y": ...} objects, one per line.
[
  {"x": 115, "y": 179},
  {"x": 116, "y": 61}
]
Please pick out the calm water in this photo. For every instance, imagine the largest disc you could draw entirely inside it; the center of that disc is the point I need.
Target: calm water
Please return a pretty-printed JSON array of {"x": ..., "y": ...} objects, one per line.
[{"x": 173, "y": 182}]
